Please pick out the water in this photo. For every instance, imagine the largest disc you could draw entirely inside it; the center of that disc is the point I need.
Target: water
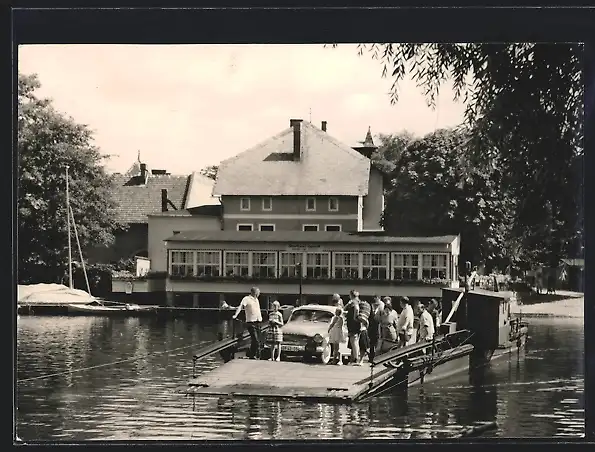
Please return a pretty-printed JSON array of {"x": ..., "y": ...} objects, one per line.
[{"x": 540, "y": 394}]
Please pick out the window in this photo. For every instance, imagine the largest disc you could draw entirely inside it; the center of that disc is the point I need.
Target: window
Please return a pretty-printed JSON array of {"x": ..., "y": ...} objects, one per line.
[
  {"x": 264, "y": 264},
  {"x": 288, "y": 264},
  {"x": 208, "y": 263},
  {"x": 244, "y": 203},
  {"x": 434, "y": 266},
  {"x": 236, "y": 263},
  {"x": 244, "y": 227},
  {"x": 332, "y": 227},
  {"x": 267, "y": 203},
  {"x": 310, "y": 204},
  {"x": 266, "y": 227},
  {"x": 347, "y": 265},
  {"x": 310, "y": 227},
  {"x": 333, "y": 205},
  {"x": 375, "y": 265},
  {"x": 311, "y": 315},
  {"x": 182, "y": 263},
  {"x": 317, "y": 265},
  {"x": 405, "y": 266}
]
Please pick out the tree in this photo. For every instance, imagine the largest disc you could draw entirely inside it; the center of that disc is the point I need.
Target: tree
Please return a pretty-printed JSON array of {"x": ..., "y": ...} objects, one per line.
[
  {"x": 433, "y": 194},
  {"x": 47, "y": 142},
  {"x": 390, "y": 150},
  {"x": 524, "y": 104},
  {"x": 210, "y": 171}
]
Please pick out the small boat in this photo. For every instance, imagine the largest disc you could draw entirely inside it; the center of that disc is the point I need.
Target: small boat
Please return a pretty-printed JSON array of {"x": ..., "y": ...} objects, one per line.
[{"x": 99, "y": 307}]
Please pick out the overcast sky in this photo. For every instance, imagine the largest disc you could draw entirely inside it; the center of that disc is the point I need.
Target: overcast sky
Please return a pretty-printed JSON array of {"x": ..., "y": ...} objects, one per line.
[{"x": 188, "y": 106}]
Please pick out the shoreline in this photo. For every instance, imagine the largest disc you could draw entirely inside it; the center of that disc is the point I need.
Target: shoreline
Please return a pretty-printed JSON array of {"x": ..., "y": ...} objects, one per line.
[{"x": 572, "y": 307}]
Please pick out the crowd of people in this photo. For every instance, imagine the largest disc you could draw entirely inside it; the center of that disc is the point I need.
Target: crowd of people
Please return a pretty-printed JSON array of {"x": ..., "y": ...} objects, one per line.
[
  {"x": 372, "y": 327},
  {"x": 367, "y": 328}
]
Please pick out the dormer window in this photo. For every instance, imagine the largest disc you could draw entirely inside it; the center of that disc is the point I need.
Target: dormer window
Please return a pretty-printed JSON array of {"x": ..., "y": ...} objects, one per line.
[
  {"x": 333, "y": 205},
  {"x": 245, "y": 204},
  {"x": 310, "y": 204},
  {"x": 267, "y": 203}
]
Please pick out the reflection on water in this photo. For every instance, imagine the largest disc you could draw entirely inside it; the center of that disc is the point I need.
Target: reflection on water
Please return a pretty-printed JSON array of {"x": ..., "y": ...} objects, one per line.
[{"x": 137, "y": 370}]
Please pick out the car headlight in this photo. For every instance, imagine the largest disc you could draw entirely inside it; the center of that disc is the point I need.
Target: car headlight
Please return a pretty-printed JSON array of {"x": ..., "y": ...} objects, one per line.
[{"x": 318, "y": 339}]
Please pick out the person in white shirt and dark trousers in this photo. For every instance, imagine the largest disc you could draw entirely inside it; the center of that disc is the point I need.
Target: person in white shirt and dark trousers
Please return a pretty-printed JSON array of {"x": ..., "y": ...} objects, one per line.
[{"x": 251, "y": 306}]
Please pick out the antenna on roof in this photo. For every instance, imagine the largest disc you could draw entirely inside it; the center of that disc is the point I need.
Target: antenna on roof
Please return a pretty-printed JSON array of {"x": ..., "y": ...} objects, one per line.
[{"x": 310, "y": 115}]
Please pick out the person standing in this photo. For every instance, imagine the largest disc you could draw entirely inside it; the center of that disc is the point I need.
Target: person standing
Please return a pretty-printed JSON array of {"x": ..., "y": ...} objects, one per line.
[
  {"x": 405, "y": 323},
  {"x": 336, "y": 336},
  {"x": 275, "y": 334},
  {"x": 426, "y": 324},
  {"x": 251, "y": 305},
  {"x": 353, "y": 326},
  {"x": 337, "y": 301},
  {"x": 374, "y": 325},
  {"x": 435, "y": 312},
  {"x": 365, "y": 310}
]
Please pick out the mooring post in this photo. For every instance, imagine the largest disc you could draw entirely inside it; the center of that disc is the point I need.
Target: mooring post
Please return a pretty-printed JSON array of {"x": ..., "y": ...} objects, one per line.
[{"x": 194, "y": 358}]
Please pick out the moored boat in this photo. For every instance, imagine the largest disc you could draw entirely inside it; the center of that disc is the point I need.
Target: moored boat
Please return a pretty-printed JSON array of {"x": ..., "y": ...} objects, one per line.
[{"x": 98, "y": 307}]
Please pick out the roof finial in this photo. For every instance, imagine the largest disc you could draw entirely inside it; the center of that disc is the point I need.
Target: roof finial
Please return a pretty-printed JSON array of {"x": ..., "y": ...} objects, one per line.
[
  {"x": 138, "y": 158},
  {"x": 369, "y": 142}
]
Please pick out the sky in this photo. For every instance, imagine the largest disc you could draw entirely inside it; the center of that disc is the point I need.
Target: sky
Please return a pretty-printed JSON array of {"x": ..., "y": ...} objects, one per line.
[{"x": 188, "y": 106}]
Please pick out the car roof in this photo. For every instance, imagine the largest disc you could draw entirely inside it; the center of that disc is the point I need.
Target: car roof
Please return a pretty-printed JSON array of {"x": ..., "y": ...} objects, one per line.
[{"x": 318, "y": 307}]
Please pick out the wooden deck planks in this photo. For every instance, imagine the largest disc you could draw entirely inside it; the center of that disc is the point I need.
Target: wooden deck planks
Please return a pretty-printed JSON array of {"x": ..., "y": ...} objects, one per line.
[{"x": 298, "y": 380}]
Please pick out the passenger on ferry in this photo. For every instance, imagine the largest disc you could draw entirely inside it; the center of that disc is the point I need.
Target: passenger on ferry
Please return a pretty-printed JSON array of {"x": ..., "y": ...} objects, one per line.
[
  {"x": 337, "y": 301},
  {"x": 336, "y": 335},
  {"x": 275, "y": 334},
  {"x": 353, "y": 325},
  {"x": 426, "y": 324},
  {"x": 365, "y": 310},
  {"x": 388, "y": 321},
  {"x": 436, "y": 313},
  {"x": 251, "y": 305},
  {"x": 405, "y": 323},
  {"x": 374, "y": 325}
]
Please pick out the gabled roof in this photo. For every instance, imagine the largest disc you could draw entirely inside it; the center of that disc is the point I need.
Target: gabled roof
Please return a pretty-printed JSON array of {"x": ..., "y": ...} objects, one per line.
[
  {"x": 136, "y": 201},
  {"x": 200, "y": 191},
  {"x": 285, "y": 237},
  {"x": 326, "y": 167}
]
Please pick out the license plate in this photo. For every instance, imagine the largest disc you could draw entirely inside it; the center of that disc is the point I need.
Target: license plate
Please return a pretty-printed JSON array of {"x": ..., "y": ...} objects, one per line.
[{"x": 292, "y": 348}]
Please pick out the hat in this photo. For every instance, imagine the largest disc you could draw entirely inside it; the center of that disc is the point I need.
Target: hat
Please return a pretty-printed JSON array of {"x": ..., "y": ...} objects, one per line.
[{"x": 405, "y": 300}]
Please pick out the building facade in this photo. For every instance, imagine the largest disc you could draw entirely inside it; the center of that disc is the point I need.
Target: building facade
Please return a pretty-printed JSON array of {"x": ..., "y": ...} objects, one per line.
[{"x": 299, "y": 217}]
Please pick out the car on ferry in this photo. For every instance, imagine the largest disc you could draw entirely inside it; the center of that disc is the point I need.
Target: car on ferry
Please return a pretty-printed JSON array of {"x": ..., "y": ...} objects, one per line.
[{"x": 305, "y": 334}]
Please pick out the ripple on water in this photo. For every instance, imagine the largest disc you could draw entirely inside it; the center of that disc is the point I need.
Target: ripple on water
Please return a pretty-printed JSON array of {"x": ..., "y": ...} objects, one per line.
[{"x": 145, "y": 400}]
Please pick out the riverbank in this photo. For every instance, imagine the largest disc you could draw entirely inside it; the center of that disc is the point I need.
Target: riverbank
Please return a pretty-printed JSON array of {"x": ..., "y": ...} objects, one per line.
[{"x": 572, "y": 305}]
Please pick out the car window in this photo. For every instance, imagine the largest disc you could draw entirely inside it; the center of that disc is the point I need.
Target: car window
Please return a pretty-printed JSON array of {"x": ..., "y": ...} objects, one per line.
[{"x": 311, "y": 315}]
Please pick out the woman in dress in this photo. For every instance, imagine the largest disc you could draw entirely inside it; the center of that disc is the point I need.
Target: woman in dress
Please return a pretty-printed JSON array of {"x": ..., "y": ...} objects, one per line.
[
  {"x": 388, "y": 324},
  {"x": 336, "y": 335},
  {"x": 275, "y": 335}
]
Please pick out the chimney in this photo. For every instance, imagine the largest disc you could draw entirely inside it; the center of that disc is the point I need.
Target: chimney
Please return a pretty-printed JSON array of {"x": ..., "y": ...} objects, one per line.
[
  {"x": 164, "y": 199},
  {"x": 143, "y": 169},
  {"x": 324, "y": 126},
  {"x": 297, "y": 138}
]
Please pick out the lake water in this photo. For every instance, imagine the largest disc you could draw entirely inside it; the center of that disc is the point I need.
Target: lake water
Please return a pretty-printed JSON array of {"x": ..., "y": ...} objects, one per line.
[{"x": 136, "y": 372}]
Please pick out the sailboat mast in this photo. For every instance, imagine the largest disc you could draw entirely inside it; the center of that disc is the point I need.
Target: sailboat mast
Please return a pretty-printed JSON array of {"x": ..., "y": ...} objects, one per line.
[
  {"x": 68, "y": 224},
  {"x": 78, "y": 244}
]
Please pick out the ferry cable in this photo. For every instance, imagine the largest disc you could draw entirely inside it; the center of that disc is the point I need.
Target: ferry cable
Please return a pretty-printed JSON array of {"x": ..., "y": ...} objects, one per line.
[
  {"x": 418, "y": 378},
  {"x": 40, "y": 377}
]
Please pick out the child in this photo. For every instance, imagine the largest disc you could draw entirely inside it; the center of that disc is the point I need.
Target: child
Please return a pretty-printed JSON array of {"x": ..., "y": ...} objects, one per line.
[
  {"x": 275, "y": 335},
  {"x": 336, "y": 335}
]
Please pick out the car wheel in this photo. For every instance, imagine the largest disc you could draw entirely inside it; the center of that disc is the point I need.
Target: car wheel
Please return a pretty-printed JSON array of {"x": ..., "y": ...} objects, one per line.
[{"x": 325, "y": 355}]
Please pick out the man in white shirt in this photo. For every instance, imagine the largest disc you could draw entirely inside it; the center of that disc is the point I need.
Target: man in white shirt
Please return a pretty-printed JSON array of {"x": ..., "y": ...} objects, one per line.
[
  {"x": 251, "y": 306},
  {"x": 405, "y": 323},
  {"x": 426, "y": 324}
]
